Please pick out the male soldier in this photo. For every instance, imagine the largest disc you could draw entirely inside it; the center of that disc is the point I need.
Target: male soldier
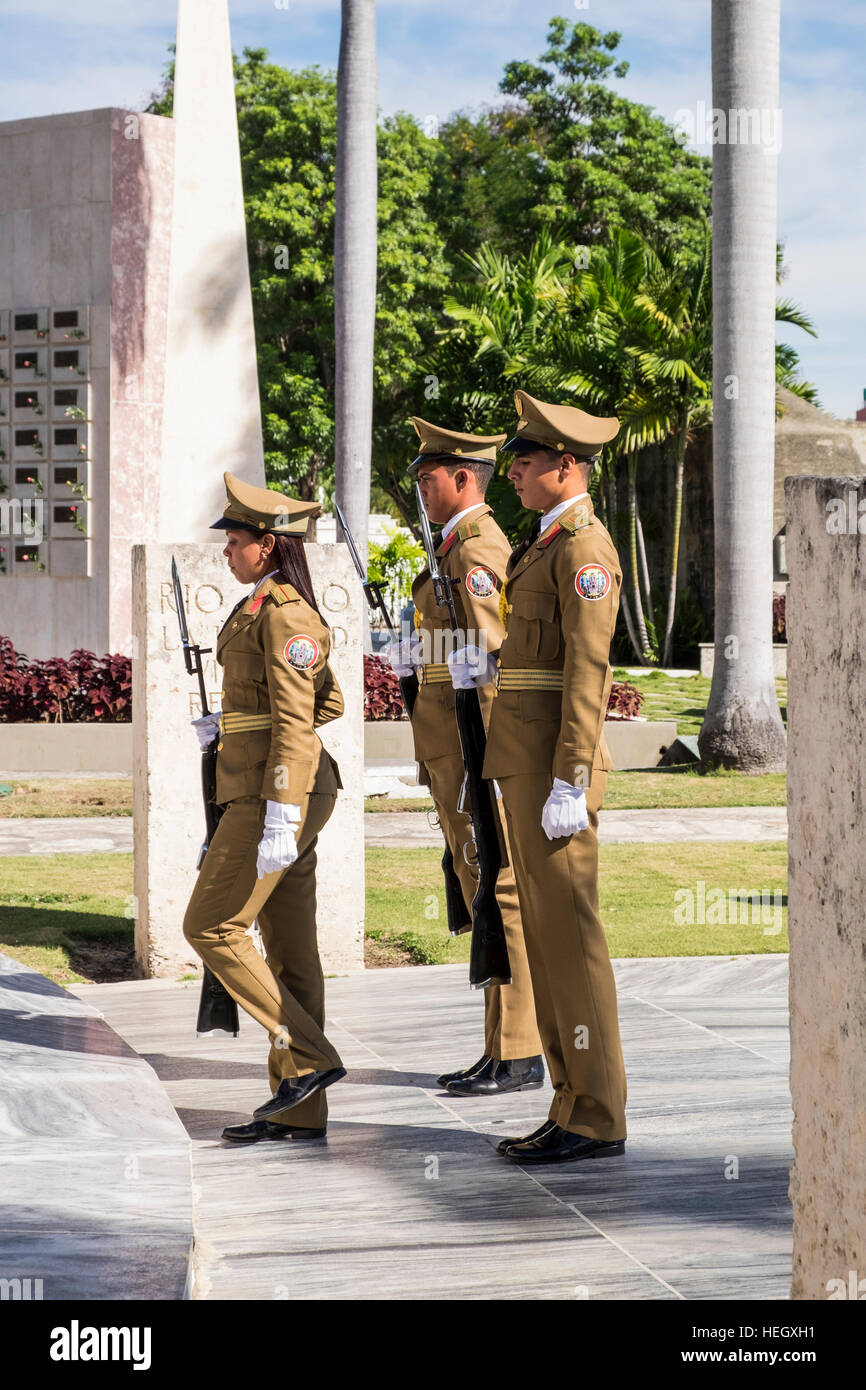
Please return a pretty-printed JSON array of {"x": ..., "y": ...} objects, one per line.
[
  {"x": 547, "y": 750},
  {"x": 453, "y": 471}
]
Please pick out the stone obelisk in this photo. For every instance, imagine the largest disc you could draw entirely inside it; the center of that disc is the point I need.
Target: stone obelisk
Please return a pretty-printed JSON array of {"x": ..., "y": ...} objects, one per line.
[
  {"x": 212, "y": 424},
  {"x": 211, "y": 414}
]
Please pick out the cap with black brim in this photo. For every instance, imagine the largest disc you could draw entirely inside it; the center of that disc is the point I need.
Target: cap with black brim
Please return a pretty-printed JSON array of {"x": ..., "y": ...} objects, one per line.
[
  {"x": 565, "y": 429},
  {"x": 439, "y": 445},
  {"x": 262, "y": 509}
]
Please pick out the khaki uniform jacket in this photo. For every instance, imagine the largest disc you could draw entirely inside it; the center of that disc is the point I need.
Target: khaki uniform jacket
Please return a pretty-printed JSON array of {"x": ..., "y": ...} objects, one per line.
[
  {"x": 475, "y": 553},
  {"x": 560, "y": 607},
  {"x": 274, "y": 653}
]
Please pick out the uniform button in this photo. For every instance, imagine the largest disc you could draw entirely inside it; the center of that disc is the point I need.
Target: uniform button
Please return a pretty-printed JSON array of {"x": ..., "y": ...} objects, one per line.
[
  {"x": 219, "y": 746},
  {"x": 234, "y": 624}
]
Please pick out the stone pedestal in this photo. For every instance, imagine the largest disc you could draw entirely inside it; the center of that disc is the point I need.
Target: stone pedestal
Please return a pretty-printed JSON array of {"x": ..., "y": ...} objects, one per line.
[
  {"x": 827, "y": 885},
  {"x": 168, "y": 813}
]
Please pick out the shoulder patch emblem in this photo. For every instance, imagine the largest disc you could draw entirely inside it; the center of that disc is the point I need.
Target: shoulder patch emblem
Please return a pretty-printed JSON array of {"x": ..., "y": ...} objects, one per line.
[
  {"x": 302, "y": 652},
  {"x": 592, "y": 581},
  {"x": 481, "y": 582}
]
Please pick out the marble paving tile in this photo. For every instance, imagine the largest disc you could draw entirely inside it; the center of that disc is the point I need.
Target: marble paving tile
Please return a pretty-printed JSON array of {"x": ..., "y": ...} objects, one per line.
[
  {"x": 58, "y": 1187},
  {"x": 95, "y": 1176},
  {"x": 361, "y": 1215},
  {"x": 108, "y": 1264}
]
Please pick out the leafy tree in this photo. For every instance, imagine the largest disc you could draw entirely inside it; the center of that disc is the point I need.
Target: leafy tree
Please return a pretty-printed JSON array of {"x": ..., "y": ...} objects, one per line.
[
  {"x": 622, "y": 329},
  {"x": 394, "y": 565},
  {"x": 567, "y": 151}
]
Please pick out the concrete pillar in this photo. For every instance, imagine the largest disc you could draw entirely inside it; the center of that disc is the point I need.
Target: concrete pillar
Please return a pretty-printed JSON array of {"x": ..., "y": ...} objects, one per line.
[
  {"x": 169, "y": 819},
  {"x": 826, "y": 554}
]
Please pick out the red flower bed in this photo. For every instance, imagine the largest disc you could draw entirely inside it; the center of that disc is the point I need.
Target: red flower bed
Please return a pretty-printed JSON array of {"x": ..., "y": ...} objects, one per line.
[
  {"x": 624, "y": 702},
  {"x": 82, "y": 688},
  {"x": 381, "y": 691}
]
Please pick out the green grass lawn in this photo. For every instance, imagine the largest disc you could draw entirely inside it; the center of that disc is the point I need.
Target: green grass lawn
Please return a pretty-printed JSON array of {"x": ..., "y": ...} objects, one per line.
[
  {"x": 667, "y": 787},
  {"x": 74, "y": 927},
  {"x": 69, "y": 916},
  {"x": 638, "y": 885},
  {"x": 67, "y": 796},
  {"x": 683, "y": 698}
]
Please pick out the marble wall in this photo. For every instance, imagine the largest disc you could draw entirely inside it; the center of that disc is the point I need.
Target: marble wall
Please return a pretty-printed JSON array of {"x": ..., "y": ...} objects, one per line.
[
  {"x": 85, "y": 201},
  {"x": 826, "y": 546}
]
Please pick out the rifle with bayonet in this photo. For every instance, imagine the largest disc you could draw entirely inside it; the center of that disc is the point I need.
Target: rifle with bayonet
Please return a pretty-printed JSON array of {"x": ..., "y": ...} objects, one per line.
[
  {"x": 459, "y": 919},
  {"x": 217, "y": 1010},
  {"x": 488, "y": 958}
]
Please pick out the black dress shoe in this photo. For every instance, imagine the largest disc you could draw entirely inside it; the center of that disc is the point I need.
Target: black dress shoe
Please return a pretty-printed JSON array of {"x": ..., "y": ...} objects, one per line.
[
  {"x": 516, "y": 1139},
  {"x": 293, "y": 1089},
  {"x": 497, "y": 1078},
  {"x": 257, "y": 1130},
  {"x": 450, "y": 1076},
  {"x": 559, "y": 1145}
]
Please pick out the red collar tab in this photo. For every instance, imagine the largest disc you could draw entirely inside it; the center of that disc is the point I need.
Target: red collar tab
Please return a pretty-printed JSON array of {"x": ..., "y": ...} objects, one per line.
[
  {"x": 443, "y": 549},
  {"x": 554, "y": 531}
]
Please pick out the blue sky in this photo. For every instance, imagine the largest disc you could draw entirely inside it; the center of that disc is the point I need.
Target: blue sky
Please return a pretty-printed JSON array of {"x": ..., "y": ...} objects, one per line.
[{"x": 436, "y": 55}]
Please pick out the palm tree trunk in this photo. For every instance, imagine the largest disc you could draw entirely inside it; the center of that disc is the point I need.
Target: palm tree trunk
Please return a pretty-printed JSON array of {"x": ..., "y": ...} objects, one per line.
[
  {"x": 645, "y": 651},
  {"x": 644, "y": 569},
  {"x": 355, "y": 263},
  {"x": 609, "y": 498},
  {"x": 679, "y": 471},
  {"x": 742, "y": 727}
]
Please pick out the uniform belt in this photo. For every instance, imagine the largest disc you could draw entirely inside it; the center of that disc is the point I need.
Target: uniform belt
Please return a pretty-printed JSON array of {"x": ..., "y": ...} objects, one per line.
[
  {"x": 240, "y": 723},
  {"x": 434, "y": 673},
  {"x": 526, "y": 678}
]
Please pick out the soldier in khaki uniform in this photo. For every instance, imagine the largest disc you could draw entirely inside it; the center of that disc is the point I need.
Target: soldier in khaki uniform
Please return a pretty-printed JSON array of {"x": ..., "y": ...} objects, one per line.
[
  {"x": 547, "y": 750},
  {"x": 452, "y": 470},
  {"x": 278, "y": 786}
]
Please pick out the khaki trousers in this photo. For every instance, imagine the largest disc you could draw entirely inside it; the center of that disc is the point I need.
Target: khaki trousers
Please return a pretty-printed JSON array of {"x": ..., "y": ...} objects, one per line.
[
  {"x": 572, "y": 977},
  {"x": 285, "y": 993},
  {"x": 510, "y": 1029}
]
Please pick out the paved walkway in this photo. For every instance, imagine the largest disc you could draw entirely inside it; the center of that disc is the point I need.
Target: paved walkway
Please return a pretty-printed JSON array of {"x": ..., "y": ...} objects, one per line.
[
  {"x": 98, "y": 834},
  {"x": 408, "y": 1200},
  {"x": 394, "y": 828}
]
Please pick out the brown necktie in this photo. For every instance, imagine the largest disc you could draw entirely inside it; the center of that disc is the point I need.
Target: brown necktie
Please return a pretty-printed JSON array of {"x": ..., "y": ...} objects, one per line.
[{"x": 518, "y": 554}]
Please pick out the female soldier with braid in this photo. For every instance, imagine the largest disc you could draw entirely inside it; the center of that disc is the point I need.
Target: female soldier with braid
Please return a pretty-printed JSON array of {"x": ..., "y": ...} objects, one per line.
[{"x": 278, "y": 786}]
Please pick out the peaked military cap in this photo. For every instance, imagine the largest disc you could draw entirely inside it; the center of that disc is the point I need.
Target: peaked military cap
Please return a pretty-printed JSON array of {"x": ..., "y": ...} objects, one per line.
[
  {"x": 561, "y": 427},
  {"x": 263, "y": 509},
  {"x": 439, "y": 443}
]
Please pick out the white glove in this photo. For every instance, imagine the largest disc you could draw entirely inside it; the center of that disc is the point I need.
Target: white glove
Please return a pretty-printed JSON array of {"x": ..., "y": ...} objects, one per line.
[
  {"x": 278, "y": 848},
  {"x": 564, "y": 811},
  {"x": 469, "y": 667},
  {"x": 403, "y": 655},
  {"x": 207, "y": 728}
]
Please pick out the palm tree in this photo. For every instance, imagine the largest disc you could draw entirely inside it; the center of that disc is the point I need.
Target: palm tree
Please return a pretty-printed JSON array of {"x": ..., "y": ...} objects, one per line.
[
  {"x": 742, "y": 727},
  {"x": 355, "y": 262}
]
